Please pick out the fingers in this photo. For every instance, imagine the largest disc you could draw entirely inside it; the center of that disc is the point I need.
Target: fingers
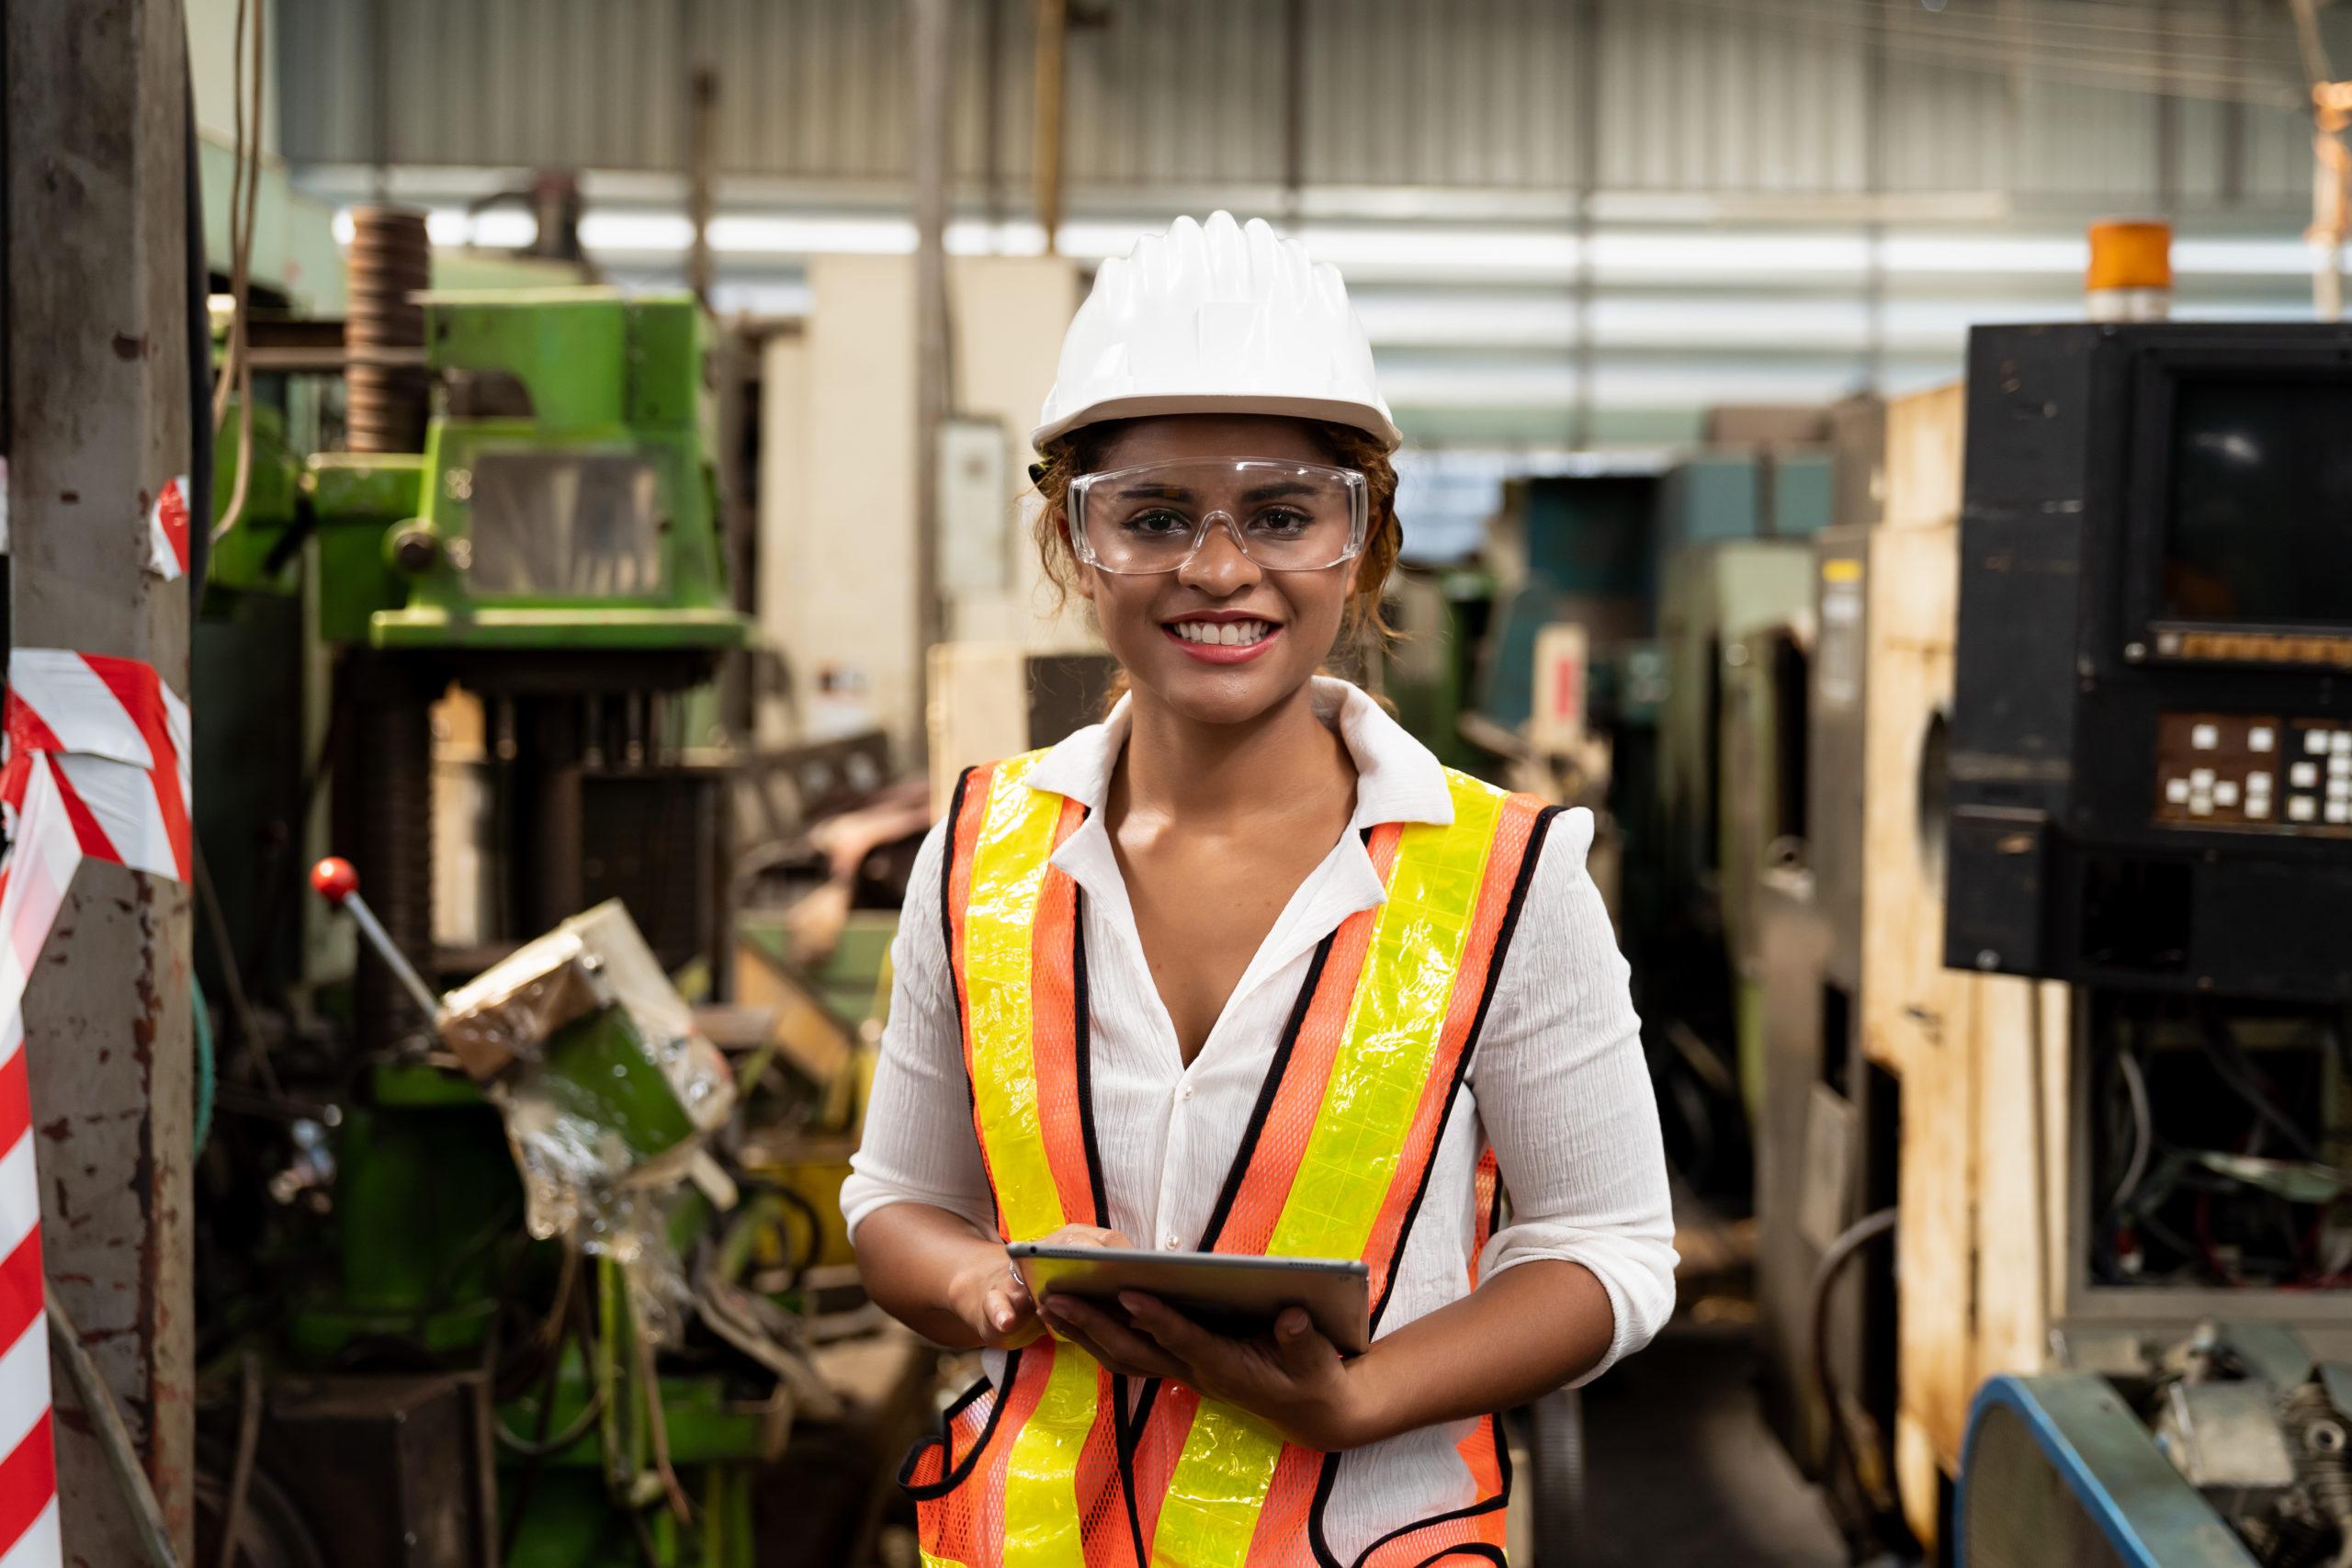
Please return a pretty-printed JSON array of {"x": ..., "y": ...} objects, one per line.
[
  {"x": 1008, "y": 1319},
  {"x": 1111, "y": 1342},
  {"x": 1177, "y": 1334},
  {"x": 1303, "y": 1350},
  {"x": 1086, "y": 1235}
]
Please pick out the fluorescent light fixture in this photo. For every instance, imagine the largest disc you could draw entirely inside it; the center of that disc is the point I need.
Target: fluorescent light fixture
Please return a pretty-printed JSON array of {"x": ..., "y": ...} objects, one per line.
[
  {"x": 2247, "y": 257},
  {"x": 664, "y": 233},
  {"x": 1704, "y": 253},
  {"x": 1980, "y": 253}
]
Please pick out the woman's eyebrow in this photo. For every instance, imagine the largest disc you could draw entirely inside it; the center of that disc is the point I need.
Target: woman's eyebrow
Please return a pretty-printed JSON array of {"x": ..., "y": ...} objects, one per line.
[
  {"x": 1277, "y": 489},
  {"x": 1155, "y": 492}
]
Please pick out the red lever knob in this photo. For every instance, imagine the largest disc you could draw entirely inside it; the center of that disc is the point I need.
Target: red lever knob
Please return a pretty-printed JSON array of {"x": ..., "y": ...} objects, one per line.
[{"x": 333, "y": 879}]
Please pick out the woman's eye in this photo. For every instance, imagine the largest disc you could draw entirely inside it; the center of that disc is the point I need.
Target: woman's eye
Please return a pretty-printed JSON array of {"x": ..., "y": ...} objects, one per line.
[
  {"x": 1282, "y": 523},
  {"x": 1159, "y": 524}
]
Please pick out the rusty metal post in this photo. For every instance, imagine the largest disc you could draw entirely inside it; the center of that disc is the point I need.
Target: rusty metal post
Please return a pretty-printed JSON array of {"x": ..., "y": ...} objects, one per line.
[{"x": 97, "y": 420}]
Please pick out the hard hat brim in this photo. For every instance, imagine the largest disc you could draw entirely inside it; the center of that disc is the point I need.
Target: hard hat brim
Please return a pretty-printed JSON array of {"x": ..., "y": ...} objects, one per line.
[{"x": 1372, "y": 422}]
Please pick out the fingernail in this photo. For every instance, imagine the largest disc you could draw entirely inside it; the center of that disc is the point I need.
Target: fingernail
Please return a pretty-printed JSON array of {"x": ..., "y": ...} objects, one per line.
[
  {"x": 1134, "y": 1303},
  {"x": 1004, "y": 1318}
]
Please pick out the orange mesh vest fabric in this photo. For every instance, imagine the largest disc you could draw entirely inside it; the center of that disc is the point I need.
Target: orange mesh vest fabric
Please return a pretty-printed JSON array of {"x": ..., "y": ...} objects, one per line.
[{"x": 1061, "y": 1465}]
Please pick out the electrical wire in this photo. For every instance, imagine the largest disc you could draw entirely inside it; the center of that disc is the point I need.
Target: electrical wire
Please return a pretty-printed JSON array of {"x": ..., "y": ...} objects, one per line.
[
  {"x": 2244, "y": 1079},
  {"x": 2135, "y": 1085},
  {"x": 244, "y": 207},
  {"x": 1834, "y": 1259}
]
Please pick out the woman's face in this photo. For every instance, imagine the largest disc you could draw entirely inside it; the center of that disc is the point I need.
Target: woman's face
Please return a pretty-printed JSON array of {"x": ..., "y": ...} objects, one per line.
[{"x": 1142, "y": 617}]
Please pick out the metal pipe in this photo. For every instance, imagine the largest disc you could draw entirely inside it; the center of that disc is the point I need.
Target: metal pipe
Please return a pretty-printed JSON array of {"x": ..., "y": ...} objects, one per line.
[
  {"x": 934, "y": 34},
  {"x": 701, "y": 141},
  {"x": 1053, "y": 32}
]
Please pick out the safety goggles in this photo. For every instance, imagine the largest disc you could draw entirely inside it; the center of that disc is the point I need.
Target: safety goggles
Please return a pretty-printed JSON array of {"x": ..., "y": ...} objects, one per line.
[{"x": 1155, "y": 517}]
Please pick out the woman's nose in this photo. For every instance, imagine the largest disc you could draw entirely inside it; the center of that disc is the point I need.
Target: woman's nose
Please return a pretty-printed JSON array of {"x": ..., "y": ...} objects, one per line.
[{"x": 1218, "y": 565}]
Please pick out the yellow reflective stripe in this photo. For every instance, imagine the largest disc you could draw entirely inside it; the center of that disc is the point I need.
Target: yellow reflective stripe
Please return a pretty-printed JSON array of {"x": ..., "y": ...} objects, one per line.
[
  {"x": 1395, "y": 1022},
  {"x": 1009, "y": 858},
  {"x": 1041, "y": 1529},
  {"x": 930, "y": 1561},
  {"x": 1217, "y": 1491},
  {"x": 1394, "y": 1026}
]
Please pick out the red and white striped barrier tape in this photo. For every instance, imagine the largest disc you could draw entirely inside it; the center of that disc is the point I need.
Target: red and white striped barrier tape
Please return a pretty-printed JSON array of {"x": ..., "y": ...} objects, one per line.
[
  {"x": 167, "y": 537},
  {"x": 97, "y": 768},
  {"x": 167, "y": 530}
]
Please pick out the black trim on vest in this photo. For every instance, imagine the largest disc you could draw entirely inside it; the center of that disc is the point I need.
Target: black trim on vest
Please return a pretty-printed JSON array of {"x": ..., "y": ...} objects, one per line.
[
  {"x": 1484, "y": 1505},
  {"x": 957, "y": 1472},
  {"x": 956, "y": 978},
  {"x": 1520, "y": 882},
  {"x": 1234, "y": 1176},
  {"x": 1121, "y": 1443},
  {"x": 1239, "y": 1170},
  {"x": 947, "y": 900},
  {"x": 1083, "y": 1038}
]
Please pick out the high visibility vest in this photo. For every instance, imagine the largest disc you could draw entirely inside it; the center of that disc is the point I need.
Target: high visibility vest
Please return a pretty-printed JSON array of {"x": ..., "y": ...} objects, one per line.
[{"x": 1059, "y": 1463}]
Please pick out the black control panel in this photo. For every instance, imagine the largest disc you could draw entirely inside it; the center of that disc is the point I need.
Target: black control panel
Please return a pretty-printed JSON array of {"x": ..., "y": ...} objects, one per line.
[{"x": 2150, "y": 761}]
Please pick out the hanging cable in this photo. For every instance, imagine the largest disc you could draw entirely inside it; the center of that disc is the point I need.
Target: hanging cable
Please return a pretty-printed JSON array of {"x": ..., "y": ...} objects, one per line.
[
  {"x": 105, "y": 1425},
  {"x": 244, "y": 207}
]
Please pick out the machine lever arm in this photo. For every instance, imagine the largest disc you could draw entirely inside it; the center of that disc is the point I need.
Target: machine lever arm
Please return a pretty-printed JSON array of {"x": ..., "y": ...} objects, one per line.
[{"x": 335, "y": 880}]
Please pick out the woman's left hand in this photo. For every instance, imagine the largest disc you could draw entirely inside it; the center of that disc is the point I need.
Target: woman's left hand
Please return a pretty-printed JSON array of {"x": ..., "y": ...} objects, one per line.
[{"x": 1293, "y": 1379}]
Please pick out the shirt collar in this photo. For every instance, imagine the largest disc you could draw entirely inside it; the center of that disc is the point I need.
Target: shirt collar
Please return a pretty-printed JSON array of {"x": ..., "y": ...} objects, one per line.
[{"x": 1397, "y": 778}]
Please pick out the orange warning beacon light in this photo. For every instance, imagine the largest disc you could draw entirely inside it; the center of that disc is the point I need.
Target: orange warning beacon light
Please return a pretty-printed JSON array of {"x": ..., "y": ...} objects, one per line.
[{"x": 2130, "y": 276}]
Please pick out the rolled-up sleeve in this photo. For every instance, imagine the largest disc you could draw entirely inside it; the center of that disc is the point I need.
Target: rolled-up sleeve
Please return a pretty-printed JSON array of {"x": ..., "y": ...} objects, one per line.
[
  {"x": 1564, "y": 1094},
  {"x": 919, "y": 1146}
]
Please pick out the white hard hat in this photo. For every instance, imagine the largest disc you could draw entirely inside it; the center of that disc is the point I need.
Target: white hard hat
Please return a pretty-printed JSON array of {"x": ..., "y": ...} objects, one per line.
[{"x": 1216, "y": 317}]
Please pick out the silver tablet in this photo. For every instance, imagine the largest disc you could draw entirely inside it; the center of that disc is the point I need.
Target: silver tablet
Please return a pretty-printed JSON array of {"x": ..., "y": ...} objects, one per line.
[{"x": 1229, "y": 1293}]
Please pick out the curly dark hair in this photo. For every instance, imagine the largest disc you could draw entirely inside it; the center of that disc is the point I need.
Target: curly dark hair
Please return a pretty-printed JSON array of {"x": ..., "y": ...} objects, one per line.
[{"x": 1365, "y": 631}]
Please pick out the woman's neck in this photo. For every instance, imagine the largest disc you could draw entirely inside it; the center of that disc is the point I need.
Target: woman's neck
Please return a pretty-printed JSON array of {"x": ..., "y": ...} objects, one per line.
[{"x": 1175, "y": 768}]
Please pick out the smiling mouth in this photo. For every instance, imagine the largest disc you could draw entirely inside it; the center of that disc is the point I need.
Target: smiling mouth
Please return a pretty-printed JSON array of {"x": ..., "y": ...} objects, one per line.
[{"x": 1222, "y": 633}]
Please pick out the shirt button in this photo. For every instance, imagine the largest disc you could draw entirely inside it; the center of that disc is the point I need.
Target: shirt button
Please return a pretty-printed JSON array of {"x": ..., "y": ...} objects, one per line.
[
  {"x": 1171, "y": 1243},
  {"x": 1184, "y": 1092}
]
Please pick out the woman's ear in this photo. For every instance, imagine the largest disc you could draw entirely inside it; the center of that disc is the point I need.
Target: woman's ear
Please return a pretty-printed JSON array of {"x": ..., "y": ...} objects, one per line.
[{"x": 1081, "y": 574}]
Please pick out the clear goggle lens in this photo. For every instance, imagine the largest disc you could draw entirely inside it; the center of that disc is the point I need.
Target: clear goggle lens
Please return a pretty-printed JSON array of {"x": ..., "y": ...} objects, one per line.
[{"x": 1155, "y": 517}]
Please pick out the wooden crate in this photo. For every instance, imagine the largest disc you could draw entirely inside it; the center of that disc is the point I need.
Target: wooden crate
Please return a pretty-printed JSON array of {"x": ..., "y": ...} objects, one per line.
[
  {"x": 1980, "y": 1204},
  {"x": 1923, "y": 453}
]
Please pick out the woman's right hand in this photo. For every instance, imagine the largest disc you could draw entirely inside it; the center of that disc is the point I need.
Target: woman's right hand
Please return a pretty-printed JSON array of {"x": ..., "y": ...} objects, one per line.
[{"x": 995, "y": 1302}]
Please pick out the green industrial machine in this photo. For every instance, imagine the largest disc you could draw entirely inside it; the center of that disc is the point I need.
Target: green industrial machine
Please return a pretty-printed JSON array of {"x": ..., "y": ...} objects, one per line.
[{"x": 549, "y": 563}]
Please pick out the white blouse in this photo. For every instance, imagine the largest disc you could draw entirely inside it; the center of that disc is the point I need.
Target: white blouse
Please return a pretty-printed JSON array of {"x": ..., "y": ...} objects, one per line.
[{"x": 1557, "y": 1084}]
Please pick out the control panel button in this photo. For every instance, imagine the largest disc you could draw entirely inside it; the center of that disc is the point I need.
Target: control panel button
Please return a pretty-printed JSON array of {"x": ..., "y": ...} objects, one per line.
[
  {"x": 2339, "y": 789},
  {"x": 2259, "y": 737},
  {"x": 2340, "y": 742},
  {"x": 2340, "y": 766},
  {"x": 2315, "y": 742},
  {"x": 2339, "y": 811},
  {"x": 2301, "y": 808},
  {"x": 2177, "y": 791},
  {"x": 2225, "y": 793},
  {"x": 2303, "y": 775},
  {"x": 2201, "y": 778},
  {"x": 2205, "y": 737},
  {"x": 2257, "y": 807},
  {"x": 2257, "y": 782}
]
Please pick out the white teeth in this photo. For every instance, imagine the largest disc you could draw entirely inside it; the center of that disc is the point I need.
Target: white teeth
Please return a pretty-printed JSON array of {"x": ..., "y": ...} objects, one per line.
[{"x": 1225, "y": 633}]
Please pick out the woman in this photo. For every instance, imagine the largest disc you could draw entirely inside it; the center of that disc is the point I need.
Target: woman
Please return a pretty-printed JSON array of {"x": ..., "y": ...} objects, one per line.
[{"x": 1244, "y": 969}]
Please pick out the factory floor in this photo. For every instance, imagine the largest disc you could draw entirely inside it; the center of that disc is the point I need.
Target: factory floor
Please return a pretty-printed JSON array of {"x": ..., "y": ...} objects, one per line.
[{"x": 1682, "y": 1469}]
